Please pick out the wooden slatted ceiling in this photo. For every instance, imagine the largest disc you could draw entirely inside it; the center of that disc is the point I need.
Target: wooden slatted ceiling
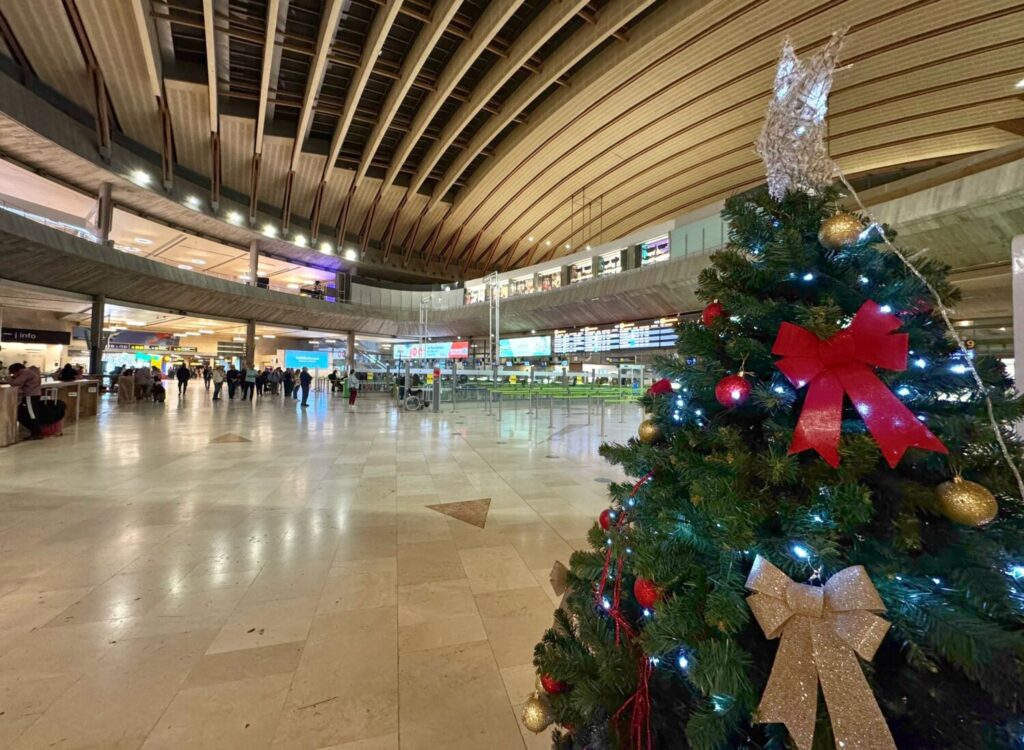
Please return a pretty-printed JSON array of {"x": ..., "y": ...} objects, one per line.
[
  {"x": 113, "y": 33},
  {"x": 655, "y": 126},
  {"x": 43, "y": 32},
  {"x": 560, "y": 168}
]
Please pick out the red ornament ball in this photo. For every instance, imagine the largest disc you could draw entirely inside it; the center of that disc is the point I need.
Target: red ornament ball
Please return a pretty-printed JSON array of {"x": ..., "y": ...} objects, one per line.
[
  {"x": 732, "y": 390},
  {"x": 553, "y": 686},
  {"x": 712, "y": 313},
  {"x": 646, "y": 592},
  {"x": 605, "y": 519}
]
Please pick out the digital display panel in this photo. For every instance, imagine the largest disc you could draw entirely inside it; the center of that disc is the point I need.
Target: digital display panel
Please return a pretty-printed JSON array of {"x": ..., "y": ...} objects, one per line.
[
  {"x": 657, "y": 334},
  {"x": 528, "y": 346},
  {"x": 432, "y": 350},
  {"x": 294, "y": 358}
]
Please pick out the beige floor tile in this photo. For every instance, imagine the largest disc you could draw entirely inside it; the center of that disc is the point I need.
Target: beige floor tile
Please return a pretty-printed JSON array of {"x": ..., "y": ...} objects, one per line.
[
  {"x": 453, "y": 697},
  {"x": 515, "y": 621},
  {"x": 265, "y": 623},
  {"x": 495, "y": 569},
  {"x": 436, "y": 633},
  {"x": 239, "y": 714},
  {"x": 230, "y": 666},
  {"x": 427, "y": 562},
  {"x": 384, "y": 742}
]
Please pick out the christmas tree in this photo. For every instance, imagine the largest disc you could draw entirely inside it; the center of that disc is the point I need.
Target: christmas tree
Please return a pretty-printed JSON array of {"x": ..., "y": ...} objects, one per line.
[{"x": 819, "y": 417}]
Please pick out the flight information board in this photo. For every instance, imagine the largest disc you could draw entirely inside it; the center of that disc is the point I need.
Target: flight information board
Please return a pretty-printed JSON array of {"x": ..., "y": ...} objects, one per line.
[{"x": 656, "y": 334}]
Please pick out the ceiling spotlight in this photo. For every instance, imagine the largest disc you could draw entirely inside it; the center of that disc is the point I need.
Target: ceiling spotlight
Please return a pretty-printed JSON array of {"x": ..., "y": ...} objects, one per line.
[
  {"x": 1020, "y": 83},
  {"x": 206, "y": 331},
  {"x": 238, "y": 338},
  {"x": 351, "y": 254},
  {"x": 588, "y": 247},
  {"x": 325, "y": 247},
  {"x": 143, "y": 241},
  {"x": 184, "y": 267},
  {"x": 135, "y": 322},
  {"x": 567, "y": 246},
  {"x": 140, "y": 177},
  {"x": 300, "y": 240},
  {"x": 270, "y": 230},
  {"x": 197, "y": 261},
  {"x": 530, "y": 238},
  {"x": 193, "y": 202},
  {"x": 533, "y": 330},
  {"x": 268, "y": 336},
  {"x": 234, "y": 217},
  {"x": 548, "y": 243},
  {"x": 293, "y": 286}
]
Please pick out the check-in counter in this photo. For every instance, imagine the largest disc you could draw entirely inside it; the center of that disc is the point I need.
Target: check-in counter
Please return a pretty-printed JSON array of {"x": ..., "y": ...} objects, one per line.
[
  {"x": 80, "y": 397},
  {"x": 8, "y": 415}
]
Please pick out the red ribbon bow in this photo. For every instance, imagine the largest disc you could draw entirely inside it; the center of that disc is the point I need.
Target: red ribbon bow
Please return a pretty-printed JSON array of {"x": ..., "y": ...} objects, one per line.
[
  {"x": 842, "y": 364},
  {"x": 662, "y": 386}
]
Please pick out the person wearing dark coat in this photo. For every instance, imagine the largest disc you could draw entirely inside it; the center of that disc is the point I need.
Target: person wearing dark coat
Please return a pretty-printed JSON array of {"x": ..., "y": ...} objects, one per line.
[{"x": 184, "y": 375}]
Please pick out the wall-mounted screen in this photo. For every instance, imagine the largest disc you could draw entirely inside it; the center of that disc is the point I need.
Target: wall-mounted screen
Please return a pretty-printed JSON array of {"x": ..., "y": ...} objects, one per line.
[
  {"x": 656, "y": 334},
  {"x": 527, "y": 346},
  {"x": 432, "y": 350},
  {"x": 295, "y": 358}
]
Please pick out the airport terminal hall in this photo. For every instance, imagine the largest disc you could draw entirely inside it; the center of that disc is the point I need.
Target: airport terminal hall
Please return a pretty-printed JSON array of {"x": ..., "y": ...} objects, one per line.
[{"x": 511, "y": 375}]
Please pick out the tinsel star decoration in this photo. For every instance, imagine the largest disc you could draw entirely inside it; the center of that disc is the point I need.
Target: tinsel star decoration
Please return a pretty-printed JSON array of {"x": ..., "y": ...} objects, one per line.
[{"x": 792, "y": 142}]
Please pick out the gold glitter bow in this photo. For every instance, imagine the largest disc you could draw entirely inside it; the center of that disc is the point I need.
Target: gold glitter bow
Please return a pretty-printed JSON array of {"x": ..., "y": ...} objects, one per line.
[{"x": 822, "y": 629}]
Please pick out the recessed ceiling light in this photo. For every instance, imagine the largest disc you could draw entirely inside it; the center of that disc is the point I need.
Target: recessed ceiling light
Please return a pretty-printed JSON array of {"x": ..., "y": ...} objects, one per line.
[
  {"x": 197, "y": 261},
  {"x": 1020, "y": 83},
  {"x": 206, "y": 331},
  {"x": 268, "y": 336},
  {"x": 135, "y": 322},
  {"x": 270, "y": 230},
  {"x": 548, "y": 243},
  {"x": 325, "y": 247},
  {"x": 184, "y": 267},
  {"x": 193, "y": 202},
  {"x": 588, "y": 247},
  {"x": 566, "y": 245},
  {"x": 243, "y": 276},
  {"x": 143, "y": 241},
  {"x": 238, "y": 338},
  {"x": 293, "y": 286},
  {"x": 140, "y": 176},
  {"x": 351, "y": 254},
  {"x": 530, "y": 238},
  {"x": 300, "y": 240},
  {"x": 234, "y": 217}
]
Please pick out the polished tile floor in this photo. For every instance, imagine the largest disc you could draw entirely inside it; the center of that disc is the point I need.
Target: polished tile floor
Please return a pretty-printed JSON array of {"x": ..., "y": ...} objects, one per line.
[{"x": 232, "y": 575}]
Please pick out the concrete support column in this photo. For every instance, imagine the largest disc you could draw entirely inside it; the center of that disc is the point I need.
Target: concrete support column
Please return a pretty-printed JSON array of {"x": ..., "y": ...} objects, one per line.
[
  {"x": 350, "y": 351},
  {"x": 250, "y": 343},
  {"x": 254, "y": 262},
  {"x": 99, "y": 303},
  {"x": 105, "y": 212}
]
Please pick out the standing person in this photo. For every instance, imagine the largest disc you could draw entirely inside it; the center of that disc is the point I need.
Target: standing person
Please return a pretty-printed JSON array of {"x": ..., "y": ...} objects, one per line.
[
  {"x": 261, "y": 382},
  {"x": 207, "y": 376},
  {"x": 335, "y": 381},
  {"x": 353, "y": 388},
  {"x": 184, "y": 375},
  {"x": 30, "y": 389},
  {"x": 249, "y": 374},
  {"x": 274, "y": 378},
  {"x": 218, "y": 377},
  {"x": 288, "y": 378},
  {"x": 232, "y": 380},
  {"x": 305, "y": 379},
  {"x": 67, "y": 373}
]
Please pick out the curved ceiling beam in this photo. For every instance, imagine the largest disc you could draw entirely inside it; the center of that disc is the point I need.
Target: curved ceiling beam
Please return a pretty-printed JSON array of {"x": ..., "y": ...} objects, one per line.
[
  {"x": 317, "y": 68},
  {"x": 379, "y": 30},
  {"x": 550, "y": 20},
  {"x": 268, "y": 61},
  {"x": 611, "y": 18},
  {"x": 425, "y": 42},
  {"x": 497, "y": 14}
]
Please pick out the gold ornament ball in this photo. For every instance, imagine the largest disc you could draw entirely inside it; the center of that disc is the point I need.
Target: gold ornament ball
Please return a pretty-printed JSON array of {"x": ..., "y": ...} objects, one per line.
[
  {"x": 649, "y": 432},
  {"x": 966, "y": 502},
  {"x": 537, "y": 714},
  {"x": 839, "y": 231}
]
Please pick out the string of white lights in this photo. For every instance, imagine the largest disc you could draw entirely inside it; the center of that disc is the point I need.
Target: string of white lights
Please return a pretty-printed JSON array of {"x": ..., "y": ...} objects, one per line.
[{"x": 944, "y": 311}]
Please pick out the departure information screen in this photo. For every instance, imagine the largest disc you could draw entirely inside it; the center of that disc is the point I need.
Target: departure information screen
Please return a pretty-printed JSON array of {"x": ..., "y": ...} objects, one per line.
[{"x": 656, "y": 334}]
